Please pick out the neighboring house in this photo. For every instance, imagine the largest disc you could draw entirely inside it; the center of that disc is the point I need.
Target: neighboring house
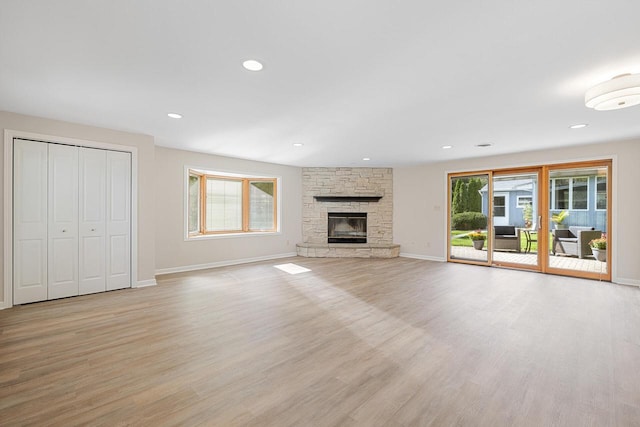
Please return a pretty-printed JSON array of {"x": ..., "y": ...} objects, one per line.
[
  {"x": 585, "y": 197},
  {"x": 509, "y": 199}
]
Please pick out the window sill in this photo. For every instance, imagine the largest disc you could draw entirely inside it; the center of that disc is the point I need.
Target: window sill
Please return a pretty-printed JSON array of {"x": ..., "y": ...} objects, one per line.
[{"x": 231, "y": 235}]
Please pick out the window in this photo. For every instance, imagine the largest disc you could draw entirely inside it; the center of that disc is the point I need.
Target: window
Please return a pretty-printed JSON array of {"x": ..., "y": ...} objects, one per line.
[
  {"x": 601, "y": 192},
  {"x": 523, "y": 201},
  {"x": 499, "y": 208},
  {"x": 228, "y": 204},
  {"x": 570, "y": 193}
]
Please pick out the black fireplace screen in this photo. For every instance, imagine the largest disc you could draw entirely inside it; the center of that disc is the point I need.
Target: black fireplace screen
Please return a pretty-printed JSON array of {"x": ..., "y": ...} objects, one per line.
[{"x": 347, "y": 227}]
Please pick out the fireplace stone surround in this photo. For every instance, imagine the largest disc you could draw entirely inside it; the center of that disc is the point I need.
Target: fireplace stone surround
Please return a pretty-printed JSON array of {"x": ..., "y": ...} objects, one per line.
[{"x": 348, "y": 190}]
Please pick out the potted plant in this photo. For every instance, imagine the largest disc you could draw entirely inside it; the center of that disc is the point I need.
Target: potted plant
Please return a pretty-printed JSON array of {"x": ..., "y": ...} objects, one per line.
[
  {"x": 599, "y": 248},
  {"x": 558, "y": 219},
  {"x": 478, "y": 238}
]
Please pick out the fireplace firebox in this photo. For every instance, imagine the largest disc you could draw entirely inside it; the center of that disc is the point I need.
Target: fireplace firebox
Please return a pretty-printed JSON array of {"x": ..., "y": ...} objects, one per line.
[{"x": 347, "y": 227}]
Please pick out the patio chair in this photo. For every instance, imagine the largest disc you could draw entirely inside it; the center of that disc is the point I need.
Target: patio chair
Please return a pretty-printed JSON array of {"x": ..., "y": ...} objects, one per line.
[
  {"x": 506, "y": 237},
  {"x": 531, "y": 235},
  {"x": 574, "y": 241}
]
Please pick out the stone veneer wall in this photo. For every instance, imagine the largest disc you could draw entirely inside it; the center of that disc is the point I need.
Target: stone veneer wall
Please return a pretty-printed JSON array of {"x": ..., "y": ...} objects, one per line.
[{"x": 347, "y": 182}]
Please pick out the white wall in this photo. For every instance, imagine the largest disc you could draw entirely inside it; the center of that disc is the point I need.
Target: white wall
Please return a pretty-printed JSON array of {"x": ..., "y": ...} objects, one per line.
[
  {"x": 146, "y": 188},
  {"x": 173, "y": 253},
  {"x": 420, "y": 205}
]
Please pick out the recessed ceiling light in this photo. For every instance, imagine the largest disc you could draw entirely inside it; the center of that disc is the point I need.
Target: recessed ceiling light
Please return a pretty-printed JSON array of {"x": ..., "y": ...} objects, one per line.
[
  {"x": 485, "y": 145},
  {"x": 579, "y": 126},
  {"x": 175, "y": 115},
  {"x": 446, "y": 147},
  {"x": 366, "y": 159},
  {"x": 298, "y": 144},
  {"x": 252, "y": 65}
]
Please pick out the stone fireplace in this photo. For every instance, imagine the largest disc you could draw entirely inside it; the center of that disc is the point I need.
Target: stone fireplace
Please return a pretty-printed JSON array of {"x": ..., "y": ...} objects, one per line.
[{"x": 347, "y": 212}]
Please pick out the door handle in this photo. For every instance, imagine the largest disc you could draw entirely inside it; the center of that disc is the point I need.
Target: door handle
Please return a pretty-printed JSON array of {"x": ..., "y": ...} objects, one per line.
[
  {"x": 539, "y": 222},
  {"x": 64, "y": 231},
  {"x": 93, "y": 229}
]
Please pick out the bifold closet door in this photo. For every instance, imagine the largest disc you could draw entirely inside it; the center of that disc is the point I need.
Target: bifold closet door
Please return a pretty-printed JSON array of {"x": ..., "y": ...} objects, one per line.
[
  {"x": 63, "y": 221},
  {"x": 118, "y": 220},
  {"x": 30, "y": 166},
  {"x": 71, "y": 220},
  {"x": 93, "y": 209}
]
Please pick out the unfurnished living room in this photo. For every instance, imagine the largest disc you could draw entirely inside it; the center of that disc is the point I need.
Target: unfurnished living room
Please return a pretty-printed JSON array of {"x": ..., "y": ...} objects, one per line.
[{"x": 337, "y": 213}]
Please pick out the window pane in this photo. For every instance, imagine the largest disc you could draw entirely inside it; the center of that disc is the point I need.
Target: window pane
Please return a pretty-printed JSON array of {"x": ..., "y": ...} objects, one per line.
[
  {"x": 499, "y": 206},
  {"x": 261, "y": 205},
  {"x": 524, "y": 201},
  {"x": 601, "y": 192},
  {"x": 580, "y": 186},
  {"x": 194, "y": 203},
  {"x": 224, "y": 205},
  {"x": 561, "y": 189}
]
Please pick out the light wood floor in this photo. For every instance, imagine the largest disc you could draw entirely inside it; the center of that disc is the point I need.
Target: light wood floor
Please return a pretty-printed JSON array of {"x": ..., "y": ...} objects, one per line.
[{"x": 354, "y": 342}]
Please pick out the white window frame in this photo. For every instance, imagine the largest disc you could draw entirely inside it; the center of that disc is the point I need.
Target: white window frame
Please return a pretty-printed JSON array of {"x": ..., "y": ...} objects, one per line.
[
  {"x": 570, "y": 208},
  {"x": 595, "y": 193},
  {"x": 522, "y": 205}
]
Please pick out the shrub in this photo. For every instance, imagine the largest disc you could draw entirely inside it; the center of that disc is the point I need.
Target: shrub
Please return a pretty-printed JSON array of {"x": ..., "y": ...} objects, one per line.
[
  {"x": 468, "y": 221},
  {"x": 474, "y": 200},
  {"x": 460, "y": 197}
]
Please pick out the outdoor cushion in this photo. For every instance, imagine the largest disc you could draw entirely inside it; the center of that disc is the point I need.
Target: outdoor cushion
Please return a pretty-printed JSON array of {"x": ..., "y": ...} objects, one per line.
[
  {"x": 504, "y": 231},
  {"x": 506, "y": 237}
]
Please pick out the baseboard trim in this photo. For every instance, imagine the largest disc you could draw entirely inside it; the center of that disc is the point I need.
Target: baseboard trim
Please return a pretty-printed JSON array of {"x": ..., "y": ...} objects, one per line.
[
  {"x": 196, "y": 267},
  {"x": 625, "y": 281},
  {"x": 423, "y": 257},
  {"x": 145, "y": 283}
]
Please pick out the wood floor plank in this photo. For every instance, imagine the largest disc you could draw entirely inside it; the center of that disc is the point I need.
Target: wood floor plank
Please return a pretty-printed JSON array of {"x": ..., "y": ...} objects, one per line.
[{"x": 353, "y": 342}]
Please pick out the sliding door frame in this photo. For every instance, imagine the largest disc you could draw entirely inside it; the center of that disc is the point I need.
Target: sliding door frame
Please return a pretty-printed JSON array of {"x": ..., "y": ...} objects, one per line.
[
  {"x": 543, "y": 214},
  {"x": 608, "y": 163},
  {"x": 541, "y": 224},
  {"x": 489, "y": 242}
]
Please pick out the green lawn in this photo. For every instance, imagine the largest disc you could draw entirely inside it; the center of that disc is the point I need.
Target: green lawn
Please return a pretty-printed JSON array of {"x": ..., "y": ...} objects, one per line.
[{"x": 465, "y": 241}]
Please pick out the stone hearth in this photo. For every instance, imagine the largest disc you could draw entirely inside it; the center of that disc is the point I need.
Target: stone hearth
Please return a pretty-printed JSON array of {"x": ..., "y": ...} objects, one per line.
[{"x": 348, "y": 250}]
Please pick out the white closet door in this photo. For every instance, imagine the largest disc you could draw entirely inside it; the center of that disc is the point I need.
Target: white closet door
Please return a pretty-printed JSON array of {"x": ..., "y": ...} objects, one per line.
[
  {"x": 63, "y": 221},
  {"x": 29, "y": 221},
  {"x": 93, "y": 190},
  {"x": 118, "y": 220}
]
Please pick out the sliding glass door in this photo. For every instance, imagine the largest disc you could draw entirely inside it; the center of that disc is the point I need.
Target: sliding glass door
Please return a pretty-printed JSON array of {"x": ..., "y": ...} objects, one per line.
[
  {"x": 551, "y": 218},
  {"x": 578, "y": 214},
  {"x": 516, "y": 219},
  {"x": 469, "y": 237}
]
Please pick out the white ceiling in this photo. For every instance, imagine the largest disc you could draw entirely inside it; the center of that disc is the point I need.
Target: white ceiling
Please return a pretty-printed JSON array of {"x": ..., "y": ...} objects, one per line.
[{"x": 389, "y": 80}]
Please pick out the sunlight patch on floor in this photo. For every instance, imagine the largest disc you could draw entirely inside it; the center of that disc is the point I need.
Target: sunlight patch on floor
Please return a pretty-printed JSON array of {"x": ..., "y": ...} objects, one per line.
[{"x": 292, "y": 268}]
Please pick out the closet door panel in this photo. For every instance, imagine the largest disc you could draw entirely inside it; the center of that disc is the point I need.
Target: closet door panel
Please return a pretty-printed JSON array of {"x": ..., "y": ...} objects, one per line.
[
  {"x": 63, "y": 221},
  {"x": 29, "y": 221},
  {"x": 93, "y": 173},
  {"x": 118, "y": 220}
]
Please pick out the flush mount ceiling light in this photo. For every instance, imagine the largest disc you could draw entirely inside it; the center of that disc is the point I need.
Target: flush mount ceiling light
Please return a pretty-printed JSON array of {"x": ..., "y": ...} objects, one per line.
[
  {"x": 620, "y": 92},
  {"x": 578, "y": 126},
  {"x": 446, "y": 147},
  {"x": 174, "y": 115},
  {"x": 366, "y": 159},
  {"x": 252, "y": 65},
  {"x": 298, "y": 144}
]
